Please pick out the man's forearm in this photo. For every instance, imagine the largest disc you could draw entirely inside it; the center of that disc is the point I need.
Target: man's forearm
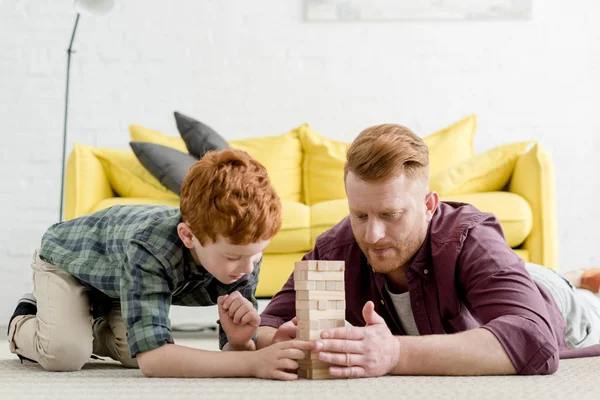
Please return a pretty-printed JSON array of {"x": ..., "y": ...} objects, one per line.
[
  {"x": 174, "y": 361},
  {"x": 265, "y": 336},
  {"x": 473, "y": 352}
]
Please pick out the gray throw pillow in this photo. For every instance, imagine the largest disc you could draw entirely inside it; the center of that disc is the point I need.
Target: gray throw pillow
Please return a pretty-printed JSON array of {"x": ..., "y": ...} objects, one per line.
[
  {"x": 198, "y": 137},
  {"x": 167, "y": 165}
]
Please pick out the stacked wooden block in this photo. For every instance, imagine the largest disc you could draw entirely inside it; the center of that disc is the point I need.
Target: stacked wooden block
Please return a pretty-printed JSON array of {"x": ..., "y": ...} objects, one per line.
[{"x": 320, "y": 304}]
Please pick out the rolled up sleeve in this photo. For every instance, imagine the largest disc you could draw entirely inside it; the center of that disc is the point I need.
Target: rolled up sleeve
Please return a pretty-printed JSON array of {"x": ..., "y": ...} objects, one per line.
[
  {"x": 506, "y": 301},
  {"x": 145, "y": 301}
]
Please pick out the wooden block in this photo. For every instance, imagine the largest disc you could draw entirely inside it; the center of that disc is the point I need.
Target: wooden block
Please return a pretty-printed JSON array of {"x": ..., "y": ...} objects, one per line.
[
  {"x": 322, "y": 304},
  {"x": 313, "y": 364},
  {"x": 307, "y": 305},
  {"x": 320, "y": 285},
  {"x": 303, "y": 373},
  {"x": 309, "y": 315},
  {"x": 307, "y": 265},
  {"x": 340, "y": 304},
  {"x": 304, "y": 285},
  {"x": 321, "y": 374},
  {"x": 330, "y": 323},
  {"x": 330, "y": 265},
  {"x": 309, "y": 324},
  {"x": 308, "y": 334},
  {"x": 323, "y": 275},
  {"x": 321, "y": 294},
  {"x": 300, "y": 276},
  {"x": 339, "y": 285}
]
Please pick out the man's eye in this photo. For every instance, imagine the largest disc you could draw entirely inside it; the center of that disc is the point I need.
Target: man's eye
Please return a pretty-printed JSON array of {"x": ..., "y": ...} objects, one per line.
[{"x": 361, "y": 217}]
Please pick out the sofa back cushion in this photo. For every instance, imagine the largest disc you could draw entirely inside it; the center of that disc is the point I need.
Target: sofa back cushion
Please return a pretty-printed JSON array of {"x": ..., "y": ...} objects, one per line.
[
  {"x": 324, "y": 158},
  {"x": 128, "y": 177},
  {"x": 282, "y": 156},
  {"x": 322, "y": 167}
]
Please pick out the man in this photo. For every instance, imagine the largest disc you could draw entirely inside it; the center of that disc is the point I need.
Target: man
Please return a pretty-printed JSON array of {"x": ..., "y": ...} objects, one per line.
[{"x": 432, "y": 287}]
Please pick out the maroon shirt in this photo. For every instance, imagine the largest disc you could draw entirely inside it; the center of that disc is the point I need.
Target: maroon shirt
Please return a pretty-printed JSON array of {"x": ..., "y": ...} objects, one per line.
[{"x": 464, "y": 276}]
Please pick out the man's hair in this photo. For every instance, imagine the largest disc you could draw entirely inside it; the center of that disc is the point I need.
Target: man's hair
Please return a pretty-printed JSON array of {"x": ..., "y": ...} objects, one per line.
[
  {"x": 228, "y": 193},
  {"x": 382, "y": 152}
]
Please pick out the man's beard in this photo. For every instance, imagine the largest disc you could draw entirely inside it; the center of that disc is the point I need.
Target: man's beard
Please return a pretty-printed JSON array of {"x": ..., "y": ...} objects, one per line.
[{"x": 397, "y": 256}]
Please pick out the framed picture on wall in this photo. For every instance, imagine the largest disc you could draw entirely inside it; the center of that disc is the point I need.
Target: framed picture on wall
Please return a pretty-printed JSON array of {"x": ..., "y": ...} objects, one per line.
[{"x": 415, "y": 10}]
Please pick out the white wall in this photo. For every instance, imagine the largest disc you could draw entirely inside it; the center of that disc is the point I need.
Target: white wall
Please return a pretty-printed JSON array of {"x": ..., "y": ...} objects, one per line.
[{"x": 251, "y": 68}]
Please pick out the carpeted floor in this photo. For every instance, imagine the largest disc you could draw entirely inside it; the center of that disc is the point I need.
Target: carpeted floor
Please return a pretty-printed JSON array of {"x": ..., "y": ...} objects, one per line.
[{"x": 105, "y": 380}]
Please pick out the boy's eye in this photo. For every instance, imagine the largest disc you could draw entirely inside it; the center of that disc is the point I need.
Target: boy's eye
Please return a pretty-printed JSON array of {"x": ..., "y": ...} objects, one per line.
[{"x": 232, "y": 258}]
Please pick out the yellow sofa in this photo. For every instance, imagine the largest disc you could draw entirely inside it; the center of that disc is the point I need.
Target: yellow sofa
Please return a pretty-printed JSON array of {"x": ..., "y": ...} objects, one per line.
[{"x": 307, "y": 171}]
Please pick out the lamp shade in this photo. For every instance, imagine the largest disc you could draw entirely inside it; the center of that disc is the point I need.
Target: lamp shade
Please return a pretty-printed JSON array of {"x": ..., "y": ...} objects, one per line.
[{"x": 94, "y": 7}]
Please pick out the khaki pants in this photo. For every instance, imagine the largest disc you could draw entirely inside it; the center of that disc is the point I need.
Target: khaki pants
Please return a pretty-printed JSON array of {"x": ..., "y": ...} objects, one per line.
[{"x": 63, "y": 336}]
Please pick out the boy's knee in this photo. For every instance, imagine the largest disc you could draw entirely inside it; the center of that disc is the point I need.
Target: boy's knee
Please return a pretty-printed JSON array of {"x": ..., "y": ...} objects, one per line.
[{"x": 66, "y": 357}]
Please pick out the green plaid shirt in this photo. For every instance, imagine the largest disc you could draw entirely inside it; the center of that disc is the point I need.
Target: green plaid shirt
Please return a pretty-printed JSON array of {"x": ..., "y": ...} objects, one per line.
[{"x": 133, "y": 253}]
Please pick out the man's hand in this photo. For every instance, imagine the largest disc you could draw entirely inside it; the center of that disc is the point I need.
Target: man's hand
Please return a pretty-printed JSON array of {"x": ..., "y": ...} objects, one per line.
[
  {"x": 279, "y": 361},
  {"x": 286, "y": 331},
  {"x": 360, "y": 351},
  {"x": 238, "y": 319}
]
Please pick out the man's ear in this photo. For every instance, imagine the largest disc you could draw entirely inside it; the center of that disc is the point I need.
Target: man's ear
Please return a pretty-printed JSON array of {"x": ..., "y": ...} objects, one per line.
[
  {"x": 185, "y": 234},
  {"x": 431, "y": 202}
]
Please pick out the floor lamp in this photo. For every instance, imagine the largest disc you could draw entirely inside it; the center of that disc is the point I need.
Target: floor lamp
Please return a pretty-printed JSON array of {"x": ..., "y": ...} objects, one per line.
[{"x": 91, "y": 7}]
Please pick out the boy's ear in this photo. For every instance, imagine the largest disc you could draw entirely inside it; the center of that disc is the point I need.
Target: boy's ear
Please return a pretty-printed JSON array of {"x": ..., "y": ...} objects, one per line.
[{"x": 185, "y": 234}]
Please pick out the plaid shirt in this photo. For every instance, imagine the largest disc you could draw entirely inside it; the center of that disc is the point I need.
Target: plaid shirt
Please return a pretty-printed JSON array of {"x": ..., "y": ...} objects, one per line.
[{"x": 133, "y": 253}]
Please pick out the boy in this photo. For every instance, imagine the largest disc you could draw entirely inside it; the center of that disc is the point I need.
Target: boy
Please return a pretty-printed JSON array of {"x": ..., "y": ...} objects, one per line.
[{"x": 103, "y": 283}]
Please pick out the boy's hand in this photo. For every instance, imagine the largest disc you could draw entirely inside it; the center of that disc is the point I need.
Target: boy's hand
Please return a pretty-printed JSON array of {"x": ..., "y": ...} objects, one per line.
[
  {"x": 238, "y": 318},
  {"x": 286, "y": 331},
  {"x": 279, "y": 361}
]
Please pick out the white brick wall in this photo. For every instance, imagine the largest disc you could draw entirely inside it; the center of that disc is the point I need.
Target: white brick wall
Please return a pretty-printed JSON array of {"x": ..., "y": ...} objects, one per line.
[{"x": 251, "y": 68}]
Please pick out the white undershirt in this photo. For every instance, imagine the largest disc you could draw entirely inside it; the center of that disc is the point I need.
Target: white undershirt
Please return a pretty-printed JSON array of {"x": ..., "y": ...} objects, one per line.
[{"x": 404, "y": 311}]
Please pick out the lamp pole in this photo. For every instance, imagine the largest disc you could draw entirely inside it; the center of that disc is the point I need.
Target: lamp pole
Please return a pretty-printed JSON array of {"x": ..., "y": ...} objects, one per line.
[{"x": 64, "y": 141}]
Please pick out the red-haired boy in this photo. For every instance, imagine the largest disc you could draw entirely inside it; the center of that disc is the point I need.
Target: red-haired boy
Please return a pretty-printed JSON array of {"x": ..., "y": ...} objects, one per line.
[{"x": 104, "y": 282}]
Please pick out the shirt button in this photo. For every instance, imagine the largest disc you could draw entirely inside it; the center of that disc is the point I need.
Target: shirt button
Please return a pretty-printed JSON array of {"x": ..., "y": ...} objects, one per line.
[
  {"x": 382, "y": 302},
  {"x": 425, "y": 271}
]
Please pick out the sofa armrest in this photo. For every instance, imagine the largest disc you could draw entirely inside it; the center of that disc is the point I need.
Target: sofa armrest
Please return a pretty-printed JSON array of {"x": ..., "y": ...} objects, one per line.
[
  {"x": 86, "y": 182},
  {"x": 533, "y": 179}
]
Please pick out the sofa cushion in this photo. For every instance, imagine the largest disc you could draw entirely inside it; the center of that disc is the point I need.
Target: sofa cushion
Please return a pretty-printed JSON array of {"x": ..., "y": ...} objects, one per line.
[
  {"x": 198, "y": 137},
  {"x": 128, "y": 177},
  {"x": 142, "y": 134},
  {"x": 486, "y": 172},
  {"x": 322, "y": 167},
  {"x": 294, "y": 235},
  {"x": 282, "y": 156},
  {"x": 325, "y": 215},
  {"x": 324, "y": 158},
  {"x": 512, "y": 210},
  {"x": 451, "y": 145},
  {"x": 166, "y": 164}
]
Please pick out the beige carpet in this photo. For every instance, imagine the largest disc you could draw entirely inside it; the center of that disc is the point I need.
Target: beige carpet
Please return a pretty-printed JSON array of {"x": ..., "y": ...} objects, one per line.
[{"x": 576, "y": 379}]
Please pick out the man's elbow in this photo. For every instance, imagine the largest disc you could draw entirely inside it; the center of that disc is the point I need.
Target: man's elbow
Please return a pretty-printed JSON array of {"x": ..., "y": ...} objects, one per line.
[{"x": 551, "y": 366}]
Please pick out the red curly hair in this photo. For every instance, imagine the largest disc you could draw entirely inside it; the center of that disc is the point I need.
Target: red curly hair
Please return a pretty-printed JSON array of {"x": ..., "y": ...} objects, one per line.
[{"x": 228, "y": 193}]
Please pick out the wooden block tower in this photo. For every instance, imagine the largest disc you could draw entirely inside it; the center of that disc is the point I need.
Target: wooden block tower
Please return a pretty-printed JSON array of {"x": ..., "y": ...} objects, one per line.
[{"x": 320, "y": 304}]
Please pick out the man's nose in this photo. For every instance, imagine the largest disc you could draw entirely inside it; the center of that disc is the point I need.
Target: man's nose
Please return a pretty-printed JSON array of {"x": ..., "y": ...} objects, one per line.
[{"x": 375, "y": 231}]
